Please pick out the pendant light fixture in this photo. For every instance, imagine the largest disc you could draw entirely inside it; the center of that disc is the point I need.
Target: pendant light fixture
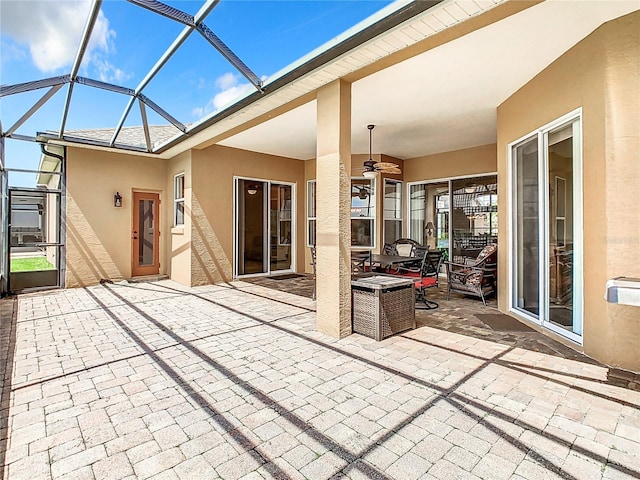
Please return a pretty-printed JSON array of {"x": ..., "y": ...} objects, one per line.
[{"x": 370, "y": 171}]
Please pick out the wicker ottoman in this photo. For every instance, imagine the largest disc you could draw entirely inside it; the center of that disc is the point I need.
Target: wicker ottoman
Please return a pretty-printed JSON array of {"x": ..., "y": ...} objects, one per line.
[{"x": 382, "y": 306}]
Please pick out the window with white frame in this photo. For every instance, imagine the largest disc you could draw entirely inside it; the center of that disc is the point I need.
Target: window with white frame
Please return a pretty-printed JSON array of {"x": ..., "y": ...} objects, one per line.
[
  {"x": 392, "y": 210},
  {"x": 363, "y": 211},
  {"x": 311, "y": 213},
  {"x": 178, "y": 200}
]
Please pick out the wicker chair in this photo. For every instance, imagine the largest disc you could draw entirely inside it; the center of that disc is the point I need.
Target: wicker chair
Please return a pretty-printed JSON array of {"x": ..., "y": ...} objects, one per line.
[{"x": 474, "y": 277}]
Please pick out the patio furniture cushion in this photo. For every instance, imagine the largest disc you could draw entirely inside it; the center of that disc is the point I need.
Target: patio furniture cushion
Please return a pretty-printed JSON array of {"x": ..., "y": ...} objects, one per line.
[{"x": 425, "y": 282}]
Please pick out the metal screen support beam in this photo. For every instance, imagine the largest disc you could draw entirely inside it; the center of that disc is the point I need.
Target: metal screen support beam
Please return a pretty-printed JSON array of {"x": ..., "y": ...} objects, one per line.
[
  {"x": 45, "y": 98},
  {"x": 145, "y": 124},
  {"x": 231, "y": 57},
  {"x": 160, "y": 111},
  {"x": 104, "y": 86},
  {"x": 165, "y": 10},
  {"x": 180, "y": 39},
  {"x": 6, "y": 90},
  {"x": 93, "y": 16}
]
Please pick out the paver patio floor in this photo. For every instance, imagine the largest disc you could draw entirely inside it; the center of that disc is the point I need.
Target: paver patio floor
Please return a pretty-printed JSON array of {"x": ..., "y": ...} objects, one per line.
[{"x": 158, "y": 380}]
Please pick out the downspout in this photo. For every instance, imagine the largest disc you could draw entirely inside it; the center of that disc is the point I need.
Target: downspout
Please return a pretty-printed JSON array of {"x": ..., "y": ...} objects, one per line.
[{"x": 62, "y": 214}]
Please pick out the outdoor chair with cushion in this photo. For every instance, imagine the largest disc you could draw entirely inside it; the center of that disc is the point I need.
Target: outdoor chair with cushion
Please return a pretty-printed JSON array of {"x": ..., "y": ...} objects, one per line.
[
  {"x": 360, "y": 262},
  {"x": 387, "y": 249},
  {"x": 405, "y": 246},
  {"x": 426, "y": 276},
  {"x": 475, "y": 276}
]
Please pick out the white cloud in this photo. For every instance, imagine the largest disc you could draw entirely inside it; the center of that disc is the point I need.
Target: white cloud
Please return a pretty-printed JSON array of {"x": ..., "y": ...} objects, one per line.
[
  {"x": 52, "y": 31},
  {"x": 230, "y": 90},
  {"x": 228, "y": 80}
]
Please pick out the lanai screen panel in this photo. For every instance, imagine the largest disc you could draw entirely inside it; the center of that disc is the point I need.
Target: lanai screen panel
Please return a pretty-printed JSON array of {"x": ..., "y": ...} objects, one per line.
[{"x": 135, "y": 74}]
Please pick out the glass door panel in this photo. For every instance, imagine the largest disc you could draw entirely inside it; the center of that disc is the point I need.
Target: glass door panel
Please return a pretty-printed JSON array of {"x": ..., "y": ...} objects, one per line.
[
  {"x": 560, "y": 218},
  {"x": 474, "y": 215},
  {"x": 252, "y": 226},
  {"x": 280, "y": 214},
  {"x": 34, "y": 243},
  {"x": 527, "y": 215},
  {"x": 145, "y": 227},
  {"x": 436, "y": 227},
  {"x": 417, "y": 200},
  {"x": 145, "y": 234}
]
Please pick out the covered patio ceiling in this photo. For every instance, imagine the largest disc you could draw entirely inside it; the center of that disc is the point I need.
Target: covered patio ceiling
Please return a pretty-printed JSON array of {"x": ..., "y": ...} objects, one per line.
[{"x": 446, "y": 98}]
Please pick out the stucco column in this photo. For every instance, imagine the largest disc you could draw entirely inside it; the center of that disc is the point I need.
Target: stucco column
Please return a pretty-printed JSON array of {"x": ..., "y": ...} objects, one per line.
[{"x": 333, "y": 200}]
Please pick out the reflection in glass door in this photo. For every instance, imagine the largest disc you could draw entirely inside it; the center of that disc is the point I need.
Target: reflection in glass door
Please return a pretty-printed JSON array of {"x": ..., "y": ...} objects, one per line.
[
  {"x": 560, "y": 227},
  {"x": 264, "y": 227},
  {"x": 280, "y": 214},
  {"x": 547, "y": 275},
  {"x": 251, "y": 226},
  {"x": 474, "y": 215}
]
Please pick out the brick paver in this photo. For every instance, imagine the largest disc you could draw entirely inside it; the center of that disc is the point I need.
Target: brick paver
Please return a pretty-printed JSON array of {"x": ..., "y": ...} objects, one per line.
[{"x": 158, "y": 380}]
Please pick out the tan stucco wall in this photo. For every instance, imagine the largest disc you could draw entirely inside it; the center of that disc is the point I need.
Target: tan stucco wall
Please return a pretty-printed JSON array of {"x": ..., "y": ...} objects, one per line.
[
  {"x": 601, "y": 74},
  {"x": 178, "y": 244},
  {"x": 212, "y": 172},
  {"x": 99, "y": 234},
  {"x": 469, "y": 161}
]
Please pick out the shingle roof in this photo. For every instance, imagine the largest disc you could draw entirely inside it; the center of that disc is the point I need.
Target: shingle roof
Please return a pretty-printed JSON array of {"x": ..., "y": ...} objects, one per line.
[{"x": 131, "y": 136}]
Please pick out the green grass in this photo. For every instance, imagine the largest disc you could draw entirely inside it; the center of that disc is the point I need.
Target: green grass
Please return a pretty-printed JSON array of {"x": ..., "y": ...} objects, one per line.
[{"x": 30, "y": 264}]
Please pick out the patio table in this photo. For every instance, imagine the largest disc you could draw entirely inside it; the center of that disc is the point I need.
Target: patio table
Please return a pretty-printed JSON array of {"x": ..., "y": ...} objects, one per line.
[{"x": 390, "y": 260}]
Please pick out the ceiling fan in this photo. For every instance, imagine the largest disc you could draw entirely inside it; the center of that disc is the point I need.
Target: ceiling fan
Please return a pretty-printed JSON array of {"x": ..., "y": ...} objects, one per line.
[{"x": 371, "y": 167}]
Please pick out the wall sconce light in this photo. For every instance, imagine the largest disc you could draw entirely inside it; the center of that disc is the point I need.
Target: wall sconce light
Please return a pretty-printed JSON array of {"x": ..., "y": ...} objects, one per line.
[
  {"x": 252, "y": 189},
  {"x": 429, "y": 228},
  {"x": 117, "y": 200}
]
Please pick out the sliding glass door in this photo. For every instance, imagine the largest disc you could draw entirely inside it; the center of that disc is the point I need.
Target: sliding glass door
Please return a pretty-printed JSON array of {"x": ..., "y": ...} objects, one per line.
[
  {"x": 459, "y": 216},
  {"x": 264, "y": 227},
  {"x": 547, "y": 227}
]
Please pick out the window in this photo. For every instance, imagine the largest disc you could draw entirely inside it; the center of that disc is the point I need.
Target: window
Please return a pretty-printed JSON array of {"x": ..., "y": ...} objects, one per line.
[
  {"x": 311, "y": 213},
  {"x": 363, "y": 211},
  {"x": 178, "y": 200},
  {"x": 392, "y": 210}
]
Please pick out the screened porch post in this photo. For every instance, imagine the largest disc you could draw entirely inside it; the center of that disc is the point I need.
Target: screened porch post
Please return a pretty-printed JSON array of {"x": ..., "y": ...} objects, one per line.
[{"x": 333, "y": 222}]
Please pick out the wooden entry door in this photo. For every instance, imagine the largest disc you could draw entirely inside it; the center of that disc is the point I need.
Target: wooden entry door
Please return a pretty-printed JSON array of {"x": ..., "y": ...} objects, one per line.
[{"x": 145, "y": 234}]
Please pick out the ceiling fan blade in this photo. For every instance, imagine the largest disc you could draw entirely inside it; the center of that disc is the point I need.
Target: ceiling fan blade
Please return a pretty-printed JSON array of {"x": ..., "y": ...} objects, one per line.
[
  {"x": 394, "y": 171},
  {"x": 381, "y": 165}
]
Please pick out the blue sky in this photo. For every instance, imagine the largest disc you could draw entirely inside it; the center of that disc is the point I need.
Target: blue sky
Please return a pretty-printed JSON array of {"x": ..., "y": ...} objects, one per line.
[{"x": 39, "y": 39}]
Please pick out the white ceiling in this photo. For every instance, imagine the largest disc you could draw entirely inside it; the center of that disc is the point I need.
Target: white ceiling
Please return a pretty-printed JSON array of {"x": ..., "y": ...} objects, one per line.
[{"x": 444, "y": 99}]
